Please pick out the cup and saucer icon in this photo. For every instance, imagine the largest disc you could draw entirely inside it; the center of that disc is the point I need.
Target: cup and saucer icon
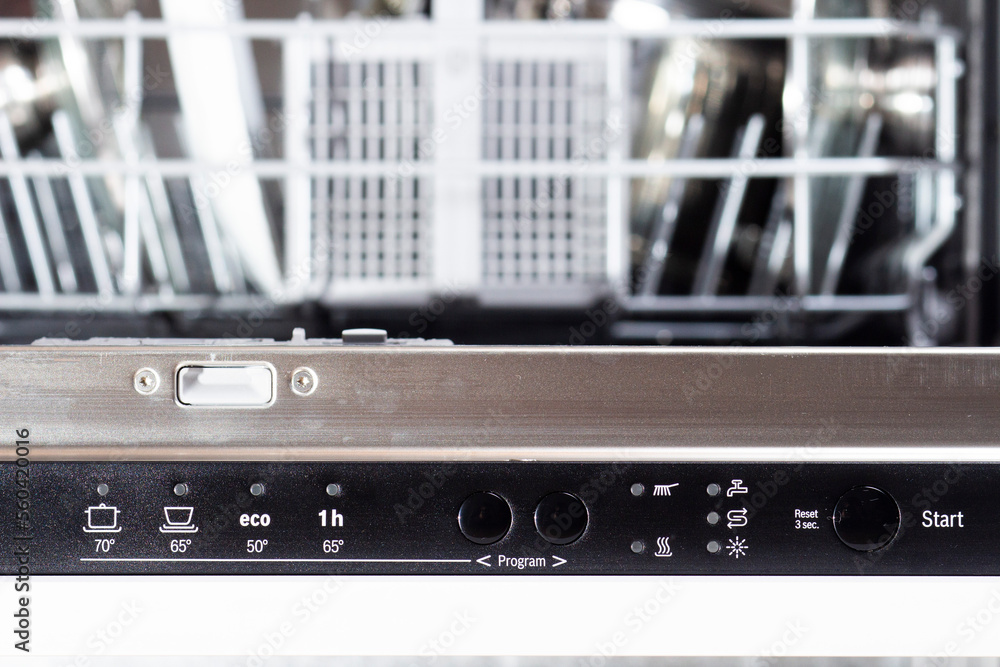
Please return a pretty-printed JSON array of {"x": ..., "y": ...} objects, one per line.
[{"x": 178, "y": 520}]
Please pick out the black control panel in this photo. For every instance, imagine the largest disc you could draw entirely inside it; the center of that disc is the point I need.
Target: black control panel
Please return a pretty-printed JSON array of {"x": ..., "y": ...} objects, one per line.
[{"x": 500, "y": 518}]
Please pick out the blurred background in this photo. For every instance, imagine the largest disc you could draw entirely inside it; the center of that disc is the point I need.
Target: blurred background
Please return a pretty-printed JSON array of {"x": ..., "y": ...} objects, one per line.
[{"x": 806, "y": 172}]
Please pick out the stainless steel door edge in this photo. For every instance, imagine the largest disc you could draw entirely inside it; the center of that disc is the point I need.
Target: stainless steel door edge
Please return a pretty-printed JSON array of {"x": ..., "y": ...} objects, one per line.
[{"x": 475, "y": 403}]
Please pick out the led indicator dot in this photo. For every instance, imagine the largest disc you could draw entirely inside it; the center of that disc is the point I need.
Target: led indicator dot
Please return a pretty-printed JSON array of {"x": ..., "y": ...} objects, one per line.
[
  {"x": 256, "y": 489},
  {"x": 638, "y": 547},
  {"x": 638, "y": 489},
  {"x": 713, "y": 518},
  {"x": 333, "y": 490},
  {"x": 714, "y": 547},
  {"x": 102, "y": 489},
  {"x": 714, "y": 489},
  {"x": 181, "y": 489}
]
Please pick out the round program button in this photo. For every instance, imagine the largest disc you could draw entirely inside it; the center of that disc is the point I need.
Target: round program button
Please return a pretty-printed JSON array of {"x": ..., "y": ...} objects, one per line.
[
  {"x": 561, "y": 518},
  {"x": 484, "y": 518}
]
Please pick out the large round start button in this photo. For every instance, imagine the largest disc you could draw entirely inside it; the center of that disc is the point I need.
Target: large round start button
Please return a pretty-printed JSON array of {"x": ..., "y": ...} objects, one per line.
[
  {"x": 484, "y": 517},
  {"x": 866, "y": 518}
]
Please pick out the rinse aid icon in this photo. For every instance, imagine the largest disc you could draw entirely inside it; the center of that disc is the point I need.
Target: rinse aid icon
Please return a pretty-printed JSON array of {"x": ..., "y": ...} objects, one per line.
[{"x": 178, "y": 520}]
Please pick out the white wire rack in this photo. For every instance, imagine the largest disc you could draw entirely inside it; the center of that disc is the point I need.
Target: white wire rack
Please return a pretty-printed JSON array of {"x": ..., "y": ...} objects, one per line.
[{"x": 459, "y": 155}]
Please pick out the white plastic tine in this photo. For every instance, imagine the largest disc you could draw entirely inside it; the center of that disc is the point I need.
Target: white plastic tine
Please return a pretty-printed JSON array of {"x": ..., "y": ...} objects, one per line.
[
  {"x": 234, "y": 263},
  {"x": 154, "y": 246},
  {"x": 213, "y": 242},
  {"x": 776, "y": 217},
  {"x": 84, "y": 206},
  {"x": 32, "y": 231},
  {"x": 778, "y": 258},
  {"x": 48, "y": 209},
  {"x": 8, "y": 265},
  {"x": 159, "y": 201}
]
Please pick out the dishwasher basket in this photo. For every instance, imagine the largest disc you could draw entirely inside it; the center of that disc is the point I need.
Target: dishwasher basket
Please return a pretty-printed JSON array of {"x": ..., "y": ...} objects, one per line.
[{"x": 398, "y": 159}]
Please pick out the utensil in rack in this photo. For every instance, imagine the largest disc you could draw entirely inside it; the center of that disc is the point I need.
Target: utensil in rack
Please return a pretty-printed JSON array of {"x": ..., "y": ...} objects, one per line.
[
  {"x": 658, "y": 247},
  {"x": 207, "y": 73},
  {"x": 723, "y": 224},
  {"x": 849, "y": 207}
]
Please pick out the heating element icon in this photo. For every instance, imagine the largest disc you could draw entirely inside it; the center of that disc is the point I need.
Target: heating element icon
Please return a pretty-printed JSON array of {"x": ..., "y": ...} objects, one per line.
[{"x": 663, "y": 548}]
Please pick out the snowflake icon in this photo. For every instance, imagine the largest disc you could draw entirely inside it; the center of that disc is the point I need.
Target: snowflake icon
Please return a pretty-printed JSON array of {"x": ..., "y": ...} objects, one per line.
[{"x": 737, "y": 547}]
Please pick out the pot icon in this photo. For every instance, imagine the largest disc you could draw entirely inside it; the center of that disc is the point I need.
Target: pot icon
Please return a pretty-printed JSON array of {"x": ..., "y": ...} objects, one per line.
[{"x": 102, "y": 519}]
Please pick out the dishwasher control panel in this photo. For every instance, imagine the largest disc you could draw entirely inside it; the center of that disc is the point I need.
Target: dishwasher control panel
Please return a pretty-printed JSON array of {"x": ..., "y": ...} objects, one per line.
[{"x": 500, "y": 518}]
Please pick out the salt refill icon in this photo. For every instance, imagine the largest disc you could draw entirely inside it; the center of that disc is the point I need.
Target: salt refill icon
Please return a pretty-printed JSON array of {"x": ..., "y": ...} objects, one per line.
[{"x": 179, "y": 520}]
